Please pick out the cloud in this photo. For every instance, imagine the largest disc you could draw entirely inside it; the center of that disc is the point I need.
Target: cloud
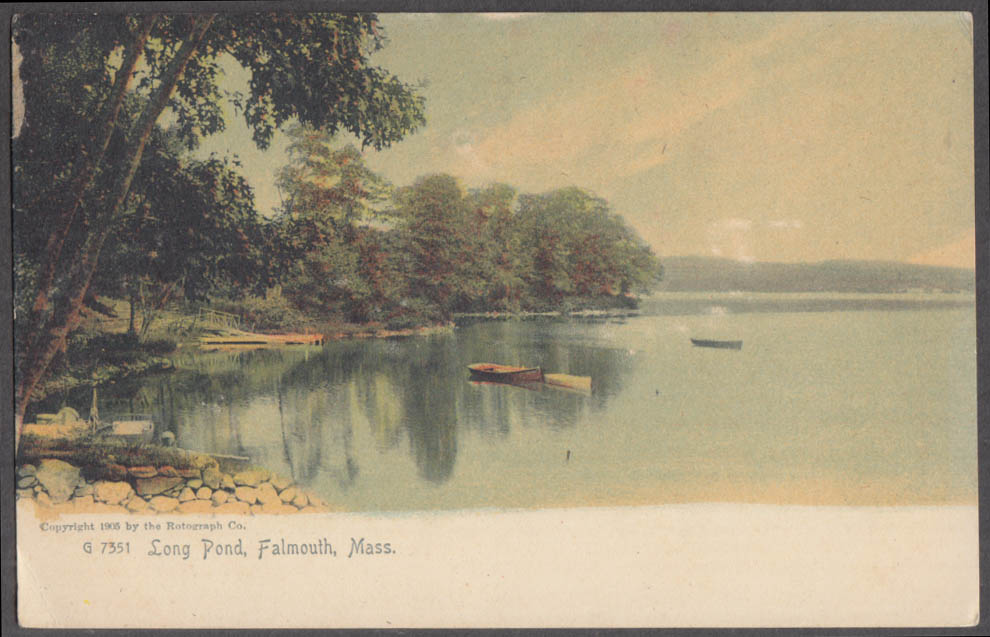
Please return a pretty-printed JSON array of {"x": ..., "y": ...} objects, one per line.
[
  {"x": 731, "y": 237},
  {"x": 619, "y": 123},
  {"x": 737, "y": 224}
]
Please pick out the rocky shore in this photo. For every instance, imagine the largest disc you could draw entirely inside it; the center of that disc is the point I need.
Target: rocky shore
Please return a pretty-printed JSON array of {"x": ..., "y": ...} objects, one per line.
[{"x": 59, "y": 487}]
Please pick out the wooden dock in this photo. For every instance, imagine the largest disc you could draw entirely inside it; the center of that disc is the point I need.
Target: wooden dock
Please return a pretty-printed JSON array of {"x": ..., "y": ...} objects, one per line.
[{"x": 248, "y": 339}]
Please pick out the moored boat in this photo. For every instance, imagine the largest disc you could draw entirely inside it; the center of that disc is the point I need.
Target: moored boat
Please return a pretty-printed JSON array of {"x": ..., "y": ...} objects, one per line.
[
  {"x": 701, "y": 342},
  {"x": 506, "y": 373}
]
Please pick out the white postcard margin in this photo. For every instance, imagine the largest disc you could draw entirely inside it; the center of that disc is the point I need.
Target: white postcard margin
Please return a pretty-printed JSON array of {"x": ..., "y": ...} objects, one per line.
[{"x": 691, "y": 565}]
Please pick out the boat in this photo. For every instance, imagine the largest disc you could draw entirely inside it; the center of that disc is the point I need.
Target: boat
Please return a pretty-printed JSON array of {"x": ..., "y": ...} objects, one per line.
[
  {"x": 506, "y": 373},
  {"x": 578, "y": 384},
  {"x": 133, "y": 427},
  {"x": 701, "y": 342}
]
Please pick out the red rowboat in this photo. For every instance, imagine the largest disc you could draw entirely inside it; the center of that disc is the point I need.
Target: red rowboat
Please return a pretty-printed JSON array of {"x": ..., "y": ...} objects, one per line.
[{"x": 506, "y": 373}]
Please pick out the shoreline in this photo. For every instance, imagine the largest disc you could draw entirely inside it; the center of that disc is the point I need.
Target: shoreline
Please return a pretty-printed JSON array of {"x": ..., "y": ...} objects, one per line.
[{"x": 57, "y": 487}]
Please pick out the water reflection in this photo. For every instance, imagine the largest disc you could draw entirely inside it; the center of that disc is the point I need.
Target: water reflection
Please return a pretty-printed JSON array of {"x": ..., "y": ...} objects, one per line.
[
  {"x": 298, "y": 409},
  {"x": 799, "y": 415}
]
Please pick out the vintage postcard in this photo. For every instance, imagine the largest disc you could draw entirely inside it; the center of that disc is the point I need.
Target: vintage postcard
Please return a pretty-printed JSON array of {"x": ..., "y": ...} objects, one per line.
[{"x": 514, "y": 320}]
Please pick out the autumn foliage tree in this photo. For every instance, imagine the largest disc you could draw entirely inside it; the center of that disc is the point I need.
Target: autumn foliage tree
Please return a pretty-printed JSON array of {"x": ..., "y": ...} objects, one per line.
[
  {"x": 80, "y": 145},
  {"x": 328, "y": 256}
]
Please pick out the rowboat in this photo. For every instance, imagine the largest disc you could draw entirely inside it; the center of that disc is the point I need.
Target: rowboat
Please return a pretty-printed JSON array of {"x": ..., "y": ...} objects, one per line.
[
  {"x": 700, "y": 342},
  {"x": 506, "y": 373}
]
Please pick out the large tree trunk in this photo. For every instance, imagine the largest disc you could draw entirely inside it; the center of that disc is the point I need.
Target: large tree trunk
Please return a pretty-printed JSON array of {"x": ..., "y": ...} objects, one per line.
[
  {"x": 131, "y": 329},
  {"x": 48, "y": 330},
  {"x": 90, "y": 156}
]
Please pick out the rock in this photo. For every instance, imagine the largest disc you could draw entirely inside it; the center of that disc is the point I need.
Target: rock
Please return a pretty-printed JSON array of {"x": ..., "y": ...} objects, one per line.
[
  {"x": 27, "y": 482},
  {"x": 156, "y": 485},
  {"x": 288, "y": 495},
  {"x": 194, "y": 484},
  {"x": 219, "y": 497},
  {"x": 58, "y": 478},
  {"x": 316, "y": 501},
  {"x": 256, "y": 509},
  {"x": 83, "y": 489},
  {"x": 163, "y": 504},
  {"x": 37, "y": 488},
  {"x": 202, "y": 461},
  {"x": 211, "y": 477},
  {"x": 227, "y": 482},
  {"x": 168, "y": 471},
  {"x": 84, "y": 501},
  {"x": 186, "y": 495},
  {"x": 137, "y": 504},
  {"x": 26, "y": 470},
  {"x": 281, "y": 482},
  {"x": 116, "y": 473},
  {"x": 251, "y": 477},
  {"x": 267, "y": 494},
  {"x": 196, "y": 506},
  {"x": 310, "y": 509},
  {"x": 43, "y": 498},
  {"x": 204, "y": 493},
  {"x": 246, "y": 494},
  {"x": 112, "y": 492},
  {"x": 143, "y": 472},
  {"x": 235, "y": 508},
  {"x": 25, "y": 493},
  {"x": 301, "y": 500},
  {"x": 189, "y": 473}
]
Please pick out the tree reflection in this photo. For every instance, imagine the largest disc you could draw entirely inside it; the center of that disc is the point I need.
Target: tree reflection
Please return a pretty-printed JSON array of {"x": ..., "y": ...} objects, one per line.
[{"x": 317, "y": 415}]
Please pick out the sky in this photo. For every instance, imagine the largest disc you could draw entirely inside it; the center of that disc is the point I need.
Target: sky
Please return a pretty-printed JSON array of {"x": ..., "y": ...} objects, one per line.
[{"x": 787, "y": 137}]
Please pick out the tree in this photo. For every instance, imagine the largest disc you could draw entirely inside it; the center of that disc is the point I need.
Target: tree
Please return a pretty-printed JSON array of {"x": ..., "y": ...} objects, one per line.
[
  {"x": 573, "y": 245},
  {"x": 437, "y": 243},
  {"x": 327, "y": 256},
  {"x": 546, "y": 227},
  {"x": 189, "y": 228},
  {"x": 78, "y": 71},
  {"x": 497, "y": 249}
]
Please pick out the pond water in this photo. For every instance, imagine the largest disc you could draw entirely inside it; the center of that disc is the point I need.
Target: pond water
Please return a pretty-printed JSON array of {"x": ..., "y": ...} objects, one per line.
[{"x": 832, "y": 400}]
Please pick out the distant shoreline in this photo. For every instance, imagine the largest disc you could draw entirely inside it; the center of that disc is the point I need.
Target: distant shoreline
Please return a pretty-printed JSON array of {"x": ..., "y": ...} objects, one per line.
[{"x": 698, "y": 274}]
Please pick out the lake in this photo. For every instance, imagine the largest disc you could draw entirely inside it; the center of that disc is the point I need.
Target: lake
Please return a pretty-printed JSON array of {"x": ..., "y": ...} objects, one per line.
[{"x": 832, "y": 400}]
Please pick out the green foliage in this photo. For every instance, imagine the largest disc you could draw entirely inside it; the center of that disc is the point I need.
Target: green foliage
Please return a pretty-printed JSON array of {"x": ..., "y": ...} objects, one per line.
[
  {"x": 95, "y": 455},
  {"x": 268, "y": 313},
  {"x": 95, "y": 358},
  {"x": 327, "y": 185},
  {"x": 316, "y": 68},
  {"x": 190, "y": 224},
  {"x": 439, "y": 241},
  {"x": 572, "y": 244},
  {"x": 94, "y": 87},
  {"x": 328, "y": 262},
  {"x": 448, "y": 251}
]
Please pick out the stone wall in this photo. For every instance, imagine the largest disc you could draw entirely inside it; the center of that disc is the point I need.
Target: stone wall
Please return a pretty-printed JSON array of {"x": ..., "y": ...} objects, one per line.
[{"x": 61, "y": 487}]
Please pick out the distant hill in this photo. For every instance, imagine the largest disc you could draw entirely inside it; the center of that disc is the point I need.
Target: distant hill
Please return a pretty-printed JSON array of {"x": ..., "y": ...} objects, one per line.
[{"x": 683, "y": 274}]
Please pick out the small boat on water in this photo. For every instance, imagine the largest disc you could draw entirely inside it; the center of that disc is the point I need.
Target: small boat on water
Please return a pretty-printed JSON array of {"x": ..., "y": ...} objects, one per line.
[
  {"x": 701, "y": 342},
  {"x": 506, "y": 373}
]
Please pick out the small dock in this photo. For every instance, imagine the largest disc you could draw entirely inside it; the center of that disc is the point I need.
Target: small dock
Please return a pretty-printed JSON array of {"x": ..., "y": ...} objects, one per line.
[{"x": 249, "y": 339}]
